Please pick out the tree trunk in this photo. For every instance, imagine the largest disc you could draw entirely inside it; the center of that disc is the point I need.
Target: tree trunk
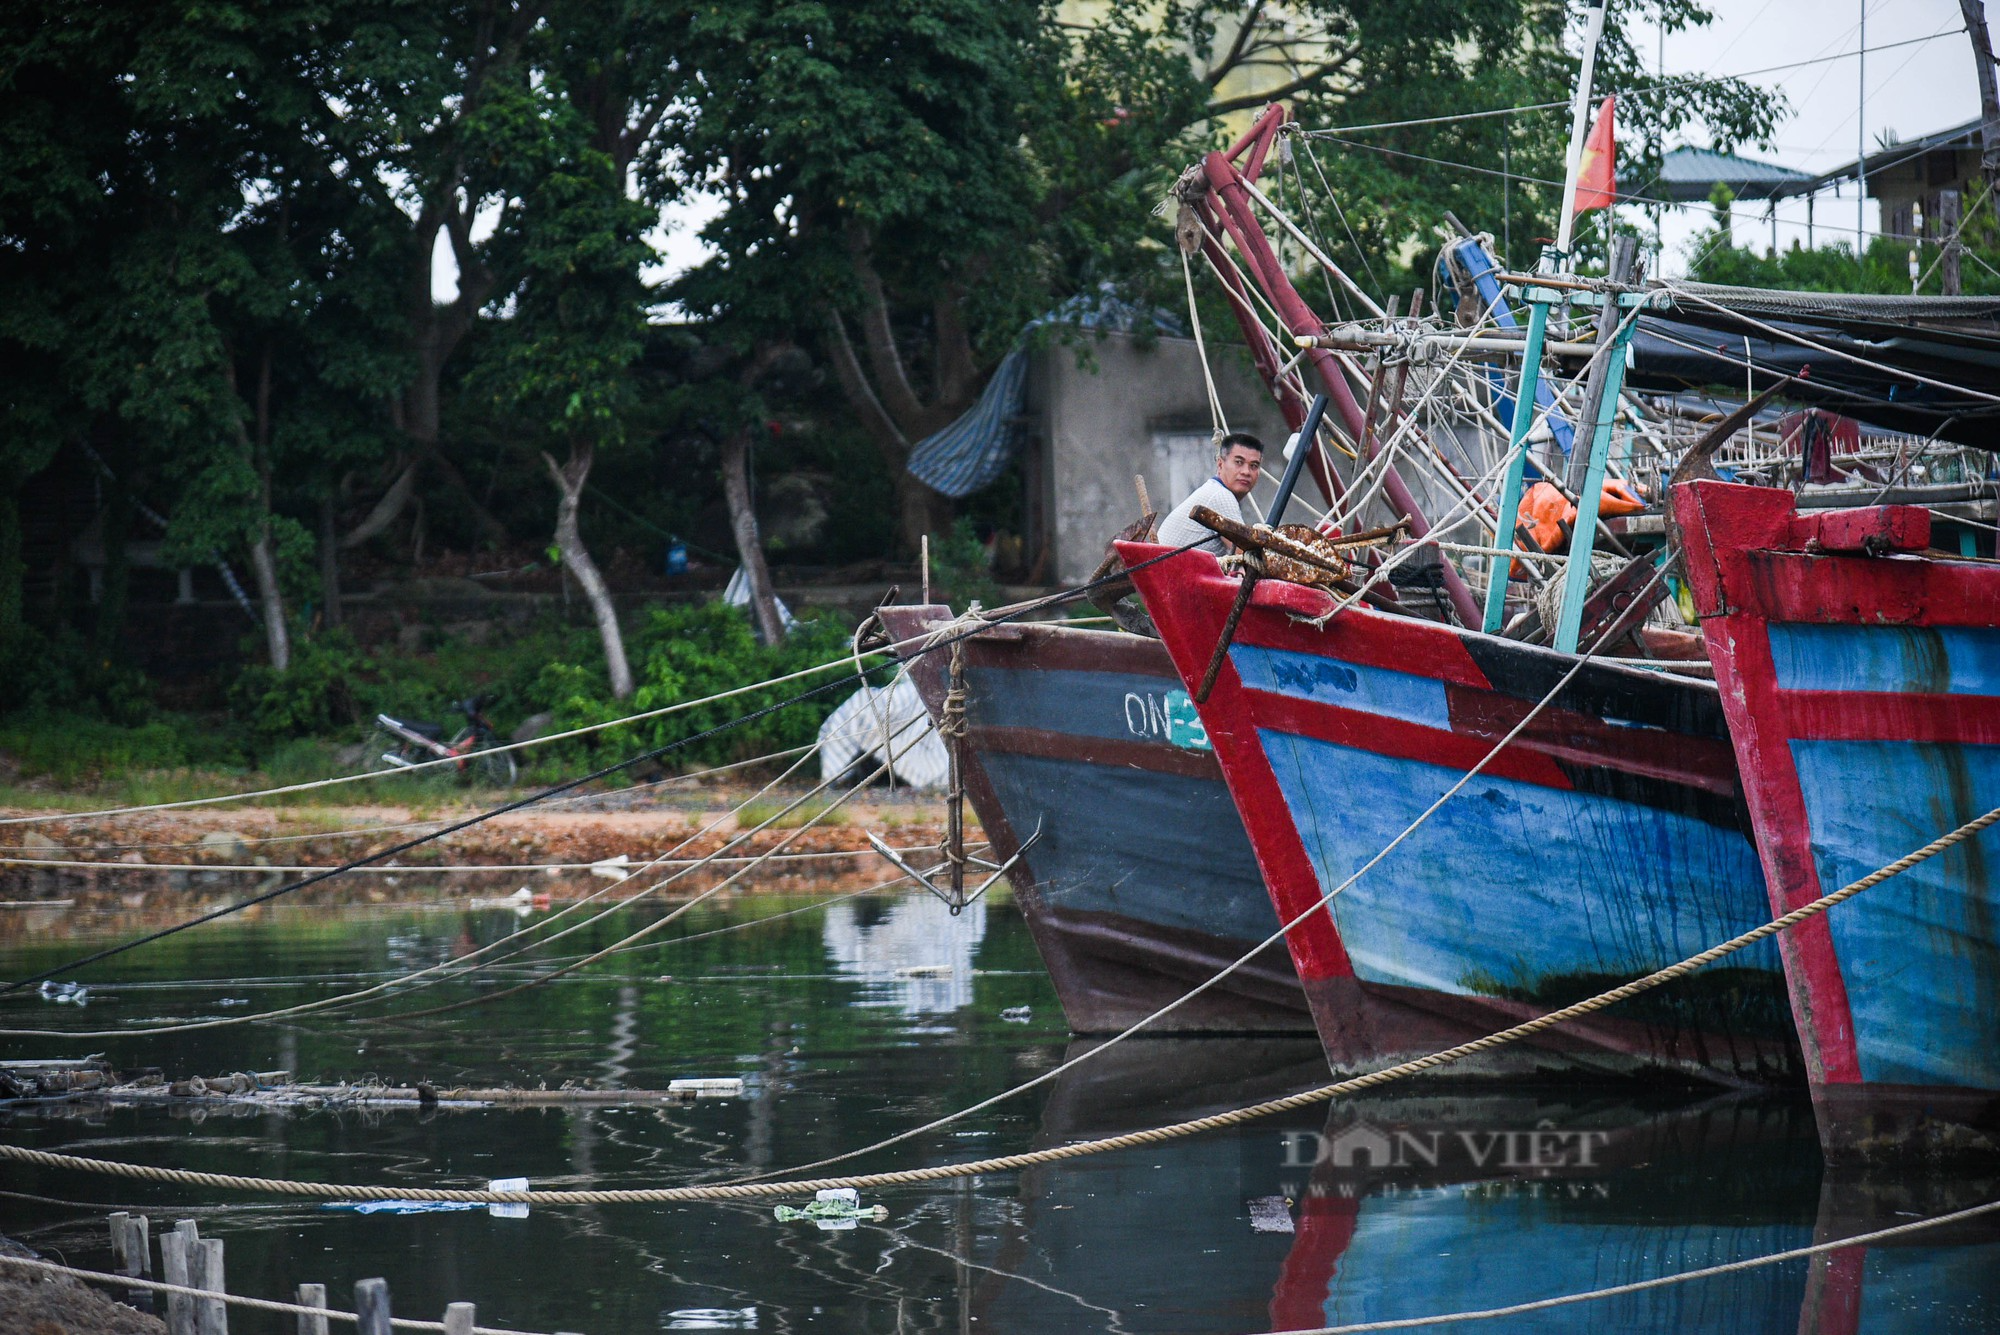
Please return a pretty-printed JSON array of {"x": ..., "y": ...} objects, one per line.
[
  {"x": 264, "y": 565},
  {"x": 263, "y": 560},
  {"x": 569, "y": 479},
  {"x": 385, "y": 510},
  {"x": 329, "y": 562},
  {"x": 13, "y": 570},
  {"x": 749, "y": 546},
  {"x": 920, "y": 511}
]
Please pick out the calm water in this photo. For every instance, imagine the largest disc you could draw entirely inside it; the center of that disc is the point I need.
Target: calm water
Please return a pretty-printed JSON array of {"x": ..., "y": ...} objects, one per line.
[{"x": 851, "y": 1021}]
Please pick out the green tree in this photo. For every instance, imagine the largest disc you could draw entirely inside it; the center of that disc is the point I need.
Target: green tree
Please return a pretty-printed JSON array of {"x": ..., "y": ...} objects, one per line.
[
  {"x": 906, "y": 184},
  {"x": 578, "y": 324}
]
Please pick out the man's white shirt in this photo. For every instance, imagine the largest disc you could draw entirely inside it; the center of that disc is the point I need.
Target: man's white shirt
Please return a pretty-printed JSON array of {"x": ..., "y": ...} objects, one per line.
[{"x": 1178, "y": 529}]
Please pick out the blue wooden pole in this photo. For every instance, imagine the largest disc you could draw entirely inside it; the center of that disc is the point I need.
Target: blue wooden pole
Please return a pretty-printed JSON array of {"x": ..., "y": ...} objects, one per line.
[
  {"x": 1517, "y": 464},
  {"x": 1576, "y": 571}
]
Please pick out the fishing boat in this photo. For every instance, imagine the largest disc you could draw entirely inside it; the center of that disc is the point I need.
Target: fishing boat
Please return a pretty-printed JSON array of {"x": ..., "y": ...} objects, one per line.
[
  {"x": 1346, "y": 689},
  {"x": 1140, "y": 883},
  {"x": 1607, "y": 839},
  {"x": 1860, "y": 673}
]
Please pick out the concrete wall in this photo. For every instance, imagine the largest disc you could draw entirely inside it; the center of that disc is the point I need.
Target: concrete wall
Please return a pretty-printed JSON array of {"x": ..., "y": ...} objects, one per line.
[{"x": 1131, "y": 410}]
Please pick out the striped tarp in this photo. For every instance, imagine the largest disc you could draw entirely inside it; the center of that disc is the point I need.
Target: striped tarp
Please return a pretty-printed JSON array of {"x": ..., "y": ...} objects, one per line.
[{"x": 976, "y": 449}]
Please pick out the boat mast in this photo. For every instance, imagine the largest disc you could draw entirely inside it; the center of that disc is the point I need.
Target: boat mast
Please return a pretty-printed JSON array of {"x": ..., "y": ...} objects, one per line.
[
  {"x": 1579, "y": 117},
  {"x": 1554, "y": 260}
]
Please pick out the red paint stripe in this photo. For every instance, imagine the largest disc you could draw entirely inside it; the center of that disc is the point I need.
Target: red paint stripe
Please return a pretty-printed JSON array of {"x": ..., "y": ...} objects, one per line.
[
  {"x": 1401, "y": 740},
  {"x": 1872, "y": 716},
  {"x": 1740, "y": 647},
  {"x": 1189, "y": 599},
  {"x": 1866, "y": 591},
  {"x": 1707, "y": 763},
  {"x": 1368, "y": 638}
]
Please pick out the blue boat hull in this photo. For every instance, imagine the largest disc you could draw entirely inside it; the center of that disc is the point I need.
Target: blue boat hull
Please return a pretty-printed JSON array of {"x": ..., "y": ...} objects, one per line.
[{"x": 1141, "y": 884}]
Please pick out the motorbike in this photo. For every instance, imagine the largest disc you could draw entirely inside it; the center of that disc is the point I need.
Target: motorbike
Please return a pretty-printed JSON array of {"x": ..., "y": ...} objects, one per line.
[{"x": 407, "y": 743}]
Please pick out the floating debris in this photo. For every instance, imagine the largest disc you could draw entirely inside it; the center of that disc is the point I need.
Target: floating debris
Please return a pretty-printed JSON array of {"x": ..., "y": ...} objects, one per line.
[
  {"x": 836, "y": 1209},
  {"x": 1271, "y": 1214},
  {"x": 509, "y": 1211},
  {"x": 69, "y": 1080},
  {"x": 65, "y": 994},
  {"x": 707, "y": 1087},
  {"x": 710, "y": 1318},
  {"x": 1018, "y": 1014}
]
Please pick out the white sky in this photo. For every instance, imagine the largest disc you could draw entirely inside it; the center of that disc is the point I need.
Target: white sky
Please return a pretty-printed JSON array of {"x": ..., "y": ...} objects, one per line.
[{"x": 1911, "y": 91}]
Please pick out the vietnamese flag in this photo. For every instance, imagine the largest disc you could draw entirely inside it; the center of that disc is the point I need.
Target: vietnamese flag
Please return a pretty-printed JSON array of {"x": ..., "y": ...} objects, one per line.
[{"x": 1597, "y": 171}]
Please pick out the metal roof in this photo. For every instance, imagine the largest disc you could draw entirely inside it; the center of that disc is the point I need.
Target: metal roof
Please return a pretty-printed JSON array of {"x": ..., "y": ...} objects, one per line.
[
  {"x": 1691, "y": 175},
  {"x": 1964, "y": 136}
]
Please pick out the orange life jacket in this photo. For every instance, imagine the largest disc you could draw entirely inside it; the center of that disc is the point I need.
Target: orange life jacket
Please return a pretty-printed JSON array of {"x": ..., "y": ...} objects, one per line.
[{"x": 1545, "y": 513}]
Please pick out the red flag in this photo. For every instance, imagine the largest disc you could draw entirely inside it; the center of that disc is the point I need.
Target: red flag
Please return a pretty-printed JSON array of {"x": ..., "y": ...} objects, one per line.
[{"x": 1597, "y": 172}]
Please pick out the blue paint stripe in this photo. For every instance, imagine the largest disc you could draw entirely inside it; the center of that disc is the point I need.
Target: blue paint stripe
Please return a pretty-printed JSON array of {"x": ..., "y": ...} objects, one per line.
[
  {"x": 1920, "y": 953},
  {"x": 1918, "y": 660},
  {"x": 1510, "y": 884},
  {"x": 1370, "y": 690}
]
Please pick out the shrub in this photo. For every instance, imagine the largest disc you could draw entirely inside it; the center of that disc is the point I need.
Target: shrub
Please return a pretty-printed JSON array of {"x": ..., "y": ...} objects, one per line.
[
  {"x": 317, "y": 695},
  {"x": 686, "y": 653}
]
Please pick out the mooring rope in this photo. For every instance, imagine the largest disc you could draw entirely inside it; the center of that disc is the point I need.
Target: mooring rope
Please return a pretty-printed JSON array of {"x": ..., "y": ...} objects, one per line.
[
  {"x": 1029, "y": 1159},
  {"x": 356, "y": 831},
  {"x": 1284, "y": 930},
  {"x": 1661, "y": 1281},
  {"x": 439, "y": 869},
  {"x": 679, "y": 910},
  {"x": 233, "y": 1299},
  {"x": 420, "y": 766}
]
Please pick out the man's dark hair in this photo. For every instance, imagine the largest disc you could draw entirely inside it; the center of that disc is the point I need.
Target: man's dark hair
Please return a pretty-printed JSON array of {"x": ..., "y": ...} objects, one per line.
[{"x": 1235, "y": 438}]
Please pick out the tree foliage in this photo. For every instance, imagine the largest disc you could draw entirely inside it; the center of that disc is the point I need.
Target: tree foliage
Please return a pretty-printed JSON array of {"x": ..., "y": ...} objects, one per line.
[{"x": 220, "y": 228}]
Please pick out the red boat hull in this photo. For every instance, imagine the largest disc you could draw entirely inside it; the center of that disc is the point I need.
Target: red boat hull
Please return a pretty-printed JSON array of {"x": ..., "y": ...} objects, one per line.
[
  {"x": 1862, "y": 683},
  {"x": 1607, "y": 840}
]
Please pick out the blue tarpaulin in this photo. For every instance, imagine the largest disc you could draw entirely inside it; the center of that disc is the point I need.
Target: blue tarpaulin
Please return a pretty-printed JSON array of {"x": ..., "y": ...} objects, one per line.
[{"x": 975, "y": 450}]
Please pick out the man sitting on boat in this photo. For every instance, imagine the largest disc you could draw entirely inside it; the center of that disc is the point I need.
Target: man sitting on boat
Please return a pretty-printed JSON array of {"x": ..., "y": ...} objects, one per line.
[{"x": 1238, "y": 461}]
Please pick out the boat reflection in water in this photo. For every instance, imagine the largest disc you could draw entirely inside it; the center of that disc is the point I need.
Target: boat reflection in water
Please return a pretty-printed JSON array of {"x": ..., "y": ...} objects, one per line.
[
  {"x": 1428, "y": 1200},
  {"x": 1941, "y": 1279},
  {"x": 911, "y": 953}
]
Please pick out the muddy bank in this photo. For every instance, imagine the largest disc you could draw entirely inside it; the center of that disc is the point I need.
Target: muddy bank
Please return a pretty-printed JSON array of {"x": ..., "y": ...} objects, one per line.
[
  {"x": 43, "y": 1304},
  {"x": 181, "y": 858}
]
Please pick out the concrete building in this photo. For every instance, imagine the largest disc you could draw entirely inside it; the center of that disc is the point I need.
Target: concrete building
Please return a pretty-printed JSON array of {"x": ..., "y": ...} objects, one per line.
[{"x": 1133, "y": 407}]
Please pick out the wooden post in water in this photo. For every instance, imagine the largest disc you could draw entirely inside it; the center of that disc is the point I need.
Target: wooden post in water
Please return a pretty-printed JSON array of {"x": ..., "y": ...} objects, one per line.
[
  {"x": 211, "y": 1314},
  {"x": 371, "y": 1307},
  {"x": 458, "y": 1319},
  {"x": 132, "y": 1255},
  {"x": 174, "y": 1248},
  {"x": 312, "y": 1295},
  {"x": 118, "y": 1222}
]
